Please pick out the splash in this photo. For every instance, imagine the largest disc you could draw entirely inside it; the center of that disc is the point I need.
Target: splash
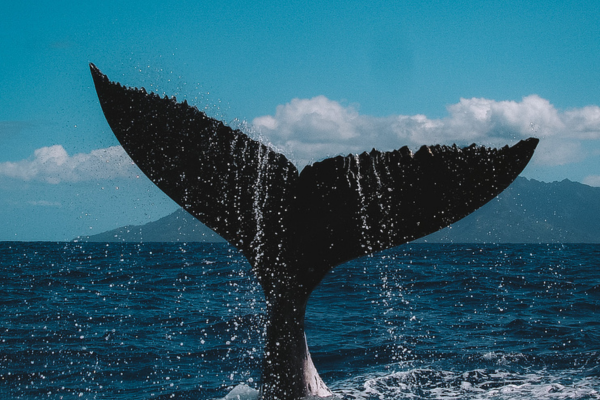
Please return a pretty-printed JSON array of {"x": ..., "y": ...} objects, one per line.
[
  {"x": 478, "y": 384},
  {"x": 242, "y": 392}
]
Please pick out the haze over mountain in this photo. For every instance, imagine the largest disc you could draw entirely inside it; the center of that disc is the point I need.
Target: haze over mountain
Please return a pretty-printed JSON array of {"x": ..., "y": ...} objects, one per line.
[
  {"x": 179, "y": 226},
  {"x": 529, "y": 211}
]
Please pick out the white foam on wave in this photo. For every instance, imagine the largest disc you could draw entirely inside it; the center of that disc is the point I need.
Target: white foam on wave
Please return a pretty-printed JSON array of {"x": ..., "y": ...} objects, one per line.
[
  {"x": 245, "y": 392},
  {"x": 423, "y": 383},
  {"x": 412, "y": 382},
  {"x": 242, "y": 392}
]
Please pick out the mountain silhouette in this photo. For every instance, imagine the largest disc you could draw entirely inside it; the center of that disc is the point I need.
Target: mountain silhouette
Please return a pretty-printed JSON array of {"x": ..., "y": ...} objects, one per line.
[{"x": 529, "y": 211}]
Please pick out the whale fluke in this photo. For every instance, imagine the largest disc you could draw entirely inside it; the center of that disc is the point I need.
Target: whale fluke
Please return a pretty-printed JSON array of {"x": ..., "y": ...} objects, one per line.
[{"x": 295, "y": 227}]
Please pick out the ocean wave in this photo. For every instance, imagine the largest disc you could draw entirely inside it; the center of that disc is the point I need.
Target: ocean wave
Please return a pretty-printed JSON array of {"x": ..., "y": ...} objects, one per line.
[{"x": 479, "y": 384}]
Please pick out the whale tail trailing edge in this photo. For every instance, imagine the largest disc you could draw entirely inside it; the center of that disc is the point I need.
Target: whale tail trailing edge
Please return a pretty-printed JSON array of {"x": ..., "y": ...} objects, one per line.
[
  {"x": 333, "y": 211},
  {"x": 294, "y": 227},
  {"x": 361, "y": 204}
]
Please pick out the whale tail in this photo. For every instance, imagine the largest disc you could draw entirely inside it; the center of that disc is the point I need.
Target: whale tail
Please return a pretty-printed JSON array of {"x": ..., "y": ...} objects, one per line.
[{"x": 294, "y": 227}]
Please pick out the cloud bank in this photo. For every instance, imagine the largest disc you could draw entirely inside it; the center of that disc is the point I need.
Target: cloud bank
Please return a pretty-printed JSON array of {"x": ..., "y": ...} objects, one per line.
[
  {"x": 53, "y": 165},
  {"x": 592, "y": 180},
  {"x": 307, "y": 130},
  {"x": 311, "y": 129}
]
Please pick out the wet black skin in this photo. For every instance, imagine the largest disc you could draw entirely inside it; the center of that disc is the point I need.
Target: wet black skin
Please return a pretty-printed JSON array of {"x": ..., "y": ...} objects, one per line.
[{"x": 295, "y": 227}]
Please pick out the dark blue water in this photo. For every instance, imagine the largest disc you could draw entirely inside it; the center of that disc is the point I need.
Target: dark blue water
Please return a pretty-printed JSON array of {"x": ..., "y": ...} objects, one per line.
[{"x": 129, "y": 321}]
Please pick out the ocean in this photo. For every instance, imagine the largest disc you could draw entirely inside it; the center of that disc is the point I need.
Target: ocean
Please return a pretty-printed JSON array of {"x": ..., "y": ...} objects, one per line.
[{"x": 186, "y": 321}]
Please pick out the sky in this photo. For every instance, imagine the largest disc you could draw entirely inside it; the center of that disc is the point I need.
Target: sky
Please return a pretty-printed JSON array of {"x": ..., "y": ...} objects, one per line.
[{"x": 311, "y": 78}]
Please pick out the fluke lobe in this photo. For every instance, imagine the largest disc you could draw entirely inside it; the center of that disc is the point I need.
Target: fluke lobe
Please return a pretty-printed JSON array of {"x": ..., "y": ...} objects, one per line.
[{"x": 295, "y": 227}]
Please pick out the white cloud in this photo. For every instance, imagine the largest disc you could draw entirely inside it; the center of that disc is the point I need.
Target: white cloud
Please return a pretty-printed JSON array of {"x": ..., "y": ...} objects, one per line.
[
  {"x": 592, "y": 180},
  {"x": 311, "y": 119},
  {"x": 311, "y": 129},
  {"x": 53, "y": 165}
]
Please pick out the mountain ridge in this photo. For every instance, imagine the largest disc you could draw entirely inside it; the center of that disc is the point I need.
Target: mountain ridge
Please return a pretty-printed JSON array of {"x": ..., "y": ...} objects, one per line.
[{"x": 528, "y": 211}]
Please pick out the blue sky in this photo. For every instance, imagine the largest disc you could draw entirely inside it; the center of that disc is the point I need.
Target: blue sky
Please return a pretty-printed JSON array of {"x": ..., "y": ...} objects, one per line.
[{"x": 313, "y": 78}]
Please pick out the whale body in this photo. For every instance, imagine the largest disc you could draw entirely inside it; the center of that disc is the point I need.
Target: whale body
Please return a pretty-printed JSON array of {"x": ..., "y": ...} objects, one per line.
[{"x": 294, "y": 227}]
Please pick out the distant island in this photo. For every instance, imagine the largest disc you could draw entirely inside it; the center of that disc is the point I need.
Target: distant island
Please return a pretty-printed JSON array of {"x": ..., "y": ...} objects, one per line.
[{"x": 528, "y": 211}]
